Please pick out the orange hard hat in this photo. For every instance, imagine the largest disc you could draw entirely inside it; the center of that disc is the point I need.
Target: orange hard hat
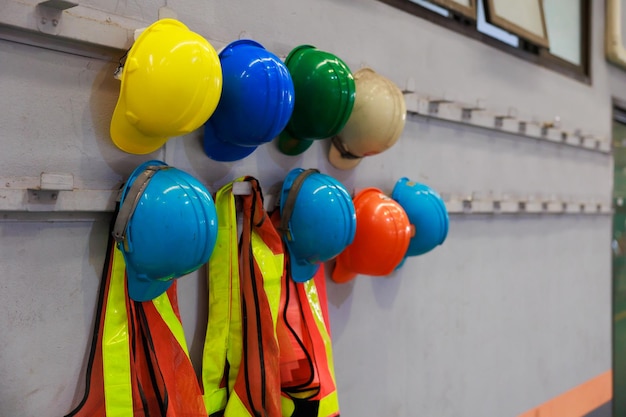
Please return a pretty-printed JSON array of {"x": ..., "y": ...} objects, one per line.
[{"x": 383, "y": 234}]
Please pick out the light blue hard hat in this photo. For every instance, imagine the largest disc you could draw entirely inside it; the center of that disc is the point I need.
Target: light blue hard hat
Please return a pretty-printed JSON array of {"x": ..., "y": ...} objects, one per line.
[
  {"x": 166, "y": 227},
  {"x": 256, "y": 103},
  {"x": 427, "y": 213},
  {"x": 318, "y": 220}
]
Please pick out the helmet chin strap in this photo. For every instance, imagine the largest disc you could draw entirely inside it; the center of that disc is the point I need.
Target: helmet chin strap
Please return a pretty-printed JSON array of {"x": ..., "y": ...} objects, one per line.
[
  {"x": 290, "y": 202},
  {"x": 129, "y": 204},
  {"x": 117, "y": 74},
  {"x": 337, "y": 143}
]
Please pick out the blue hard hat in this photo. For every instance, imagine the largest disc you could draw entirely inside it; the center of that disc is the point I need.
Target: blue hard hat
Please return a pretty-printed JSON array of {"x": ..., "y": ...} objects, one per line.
[
  {"x": 256, "y": 103},
  {"x": 318, "y": 220},
  {"x": 166, "y": 227},
  {"x": 427, "y": 213}
]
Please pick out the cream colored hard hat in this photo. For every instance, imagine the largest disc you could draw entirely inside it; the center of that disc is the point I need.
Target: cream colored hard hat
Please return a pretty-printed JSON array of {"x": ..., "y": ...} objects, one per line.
[{"x": 376, "y": 122}]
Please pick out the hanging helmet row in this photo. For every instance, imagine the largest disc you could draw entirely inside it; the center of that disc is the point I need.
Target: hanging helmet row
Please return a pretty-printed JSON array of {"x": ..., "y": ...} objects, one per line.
[
  {"x": 174, "y": 82},
  {"x": 167, "y": 226},
  {"x": 267, "y": 348}
]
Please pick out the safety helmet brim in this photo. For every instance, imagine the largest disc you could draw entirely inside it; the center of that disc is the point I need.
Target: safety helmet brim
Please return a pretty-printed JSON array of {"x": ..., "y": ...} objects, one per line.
[
  {"x": 143, "y": 289},
  {"x": 127, "y": 138},
  {"x": 341, "y": 273},
  {"x": 292, "y": 146},
  {"x": 219, "y": 150},
  {"x": 300, "y": 271},
  {"x": 402, "y": 262},
  {"x": 338, "y": 161}
]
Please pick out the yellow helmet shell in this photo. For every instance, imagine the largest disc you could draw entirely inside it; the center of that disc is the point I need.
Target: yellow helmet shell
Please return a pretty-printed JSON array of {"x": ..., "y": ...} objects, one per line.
[
  {"x": 171, "y": 84},
  {"x": 376, "y": 122}
]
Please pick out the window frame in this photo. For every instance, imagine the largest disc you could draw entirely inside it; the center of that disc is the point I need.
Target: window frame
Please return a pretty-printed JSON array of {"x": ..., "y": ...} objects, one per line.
[
  {"x": 527, "y": 51},
  {"x": 495, "y": 19},
  {"x": 615, "y": 49},
  {"x": 457, "y": 7}
]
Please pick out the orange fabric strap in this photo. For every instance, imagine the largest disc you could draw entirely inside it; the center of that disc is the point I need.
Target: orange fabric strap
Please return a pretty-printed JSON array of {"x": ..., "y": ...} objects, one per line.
[{"x": 257, "y": 386}]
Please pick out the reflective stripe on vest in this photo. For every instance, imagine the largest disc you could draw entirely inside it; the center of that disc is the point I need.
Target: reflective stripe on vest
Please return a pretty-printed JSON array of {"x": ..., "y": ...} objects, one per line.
[
  {"x": 315, "y": 292},
  {"x": 116, "y": 358},
  {"x": 258, "y": 381},
  {"x": 166, "y": 311},
  {"x": 240, "y": 358},
  {"x": 222, "y": 343},
  {"x": 119, "y": 381},
  {"x": 115, "y": 345},
  {"x": 309, "y": 386}
]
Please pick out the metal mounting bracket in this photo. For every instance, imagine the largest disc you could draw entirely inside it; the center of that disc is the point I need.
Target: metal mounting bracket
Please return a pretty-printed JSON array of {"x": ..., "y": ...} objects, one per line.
[
  {"x": 511, "y": 114},
  {"x": 466, "y": 111},
  {"x": 49, "y": 13},
  {"x": 49, "y": 186},
  {"x": 433, "y": 105}
]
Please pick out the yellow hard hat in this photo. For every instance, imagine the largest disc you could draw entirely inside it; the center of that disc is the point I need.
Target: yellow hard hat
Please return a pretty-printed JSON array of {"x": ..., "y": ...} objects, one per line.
[
  {"x": 171, "y": 84},
  {"x": 376, "y": 122}
]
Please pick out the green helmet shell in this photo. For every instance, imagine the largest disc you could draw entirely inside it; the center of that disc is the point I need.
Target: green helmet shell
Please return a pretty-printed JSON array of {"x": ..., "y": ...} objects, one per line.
[{"x": 324, "y": 96}]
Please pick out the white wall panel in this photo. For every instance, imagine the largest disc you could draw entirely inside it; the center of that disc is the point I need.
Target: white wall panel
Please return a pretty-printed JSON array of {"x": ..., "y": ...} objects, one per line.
[{"x": 510, "y": 312}]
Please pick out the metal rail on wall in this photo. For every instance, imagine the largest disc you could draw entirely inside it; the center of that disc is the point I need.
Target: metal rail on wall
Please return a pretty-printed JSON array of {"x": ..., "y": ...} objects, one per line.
[
  {"x": 67, "y": 27},
  {"x": 52, "y": 196},
  {"x": 55, "y": 194},
  {"x": 479, "y": 116},
  {"x": 72, "y": 28},
  {"x": 532, "y": 204},
  {"x": 508, "y": 122}
]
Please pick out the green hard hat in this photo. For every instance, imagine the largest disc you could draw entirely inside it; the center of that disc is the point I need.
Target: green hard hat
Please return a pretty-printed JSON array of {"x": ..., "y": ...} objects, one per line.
[{"x": 324, "y": 96}]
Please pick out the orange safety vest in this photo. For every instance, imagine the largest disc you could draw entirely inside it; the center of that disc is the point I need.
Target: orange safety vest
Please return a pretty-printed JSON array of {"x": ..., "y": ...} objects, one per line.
[
  {"x": 138, "y": 363},
  {"x": 240, "y": 368},
  {"x": 306, "y": 360},
  {"x": 307, "y": 372}
]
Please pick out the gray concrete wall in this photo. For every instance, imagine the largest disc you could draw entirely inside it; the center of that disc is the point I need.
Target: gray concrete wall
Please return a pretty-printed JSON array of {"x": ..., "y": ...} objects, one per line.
[{"x": 510, "y": 312}]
